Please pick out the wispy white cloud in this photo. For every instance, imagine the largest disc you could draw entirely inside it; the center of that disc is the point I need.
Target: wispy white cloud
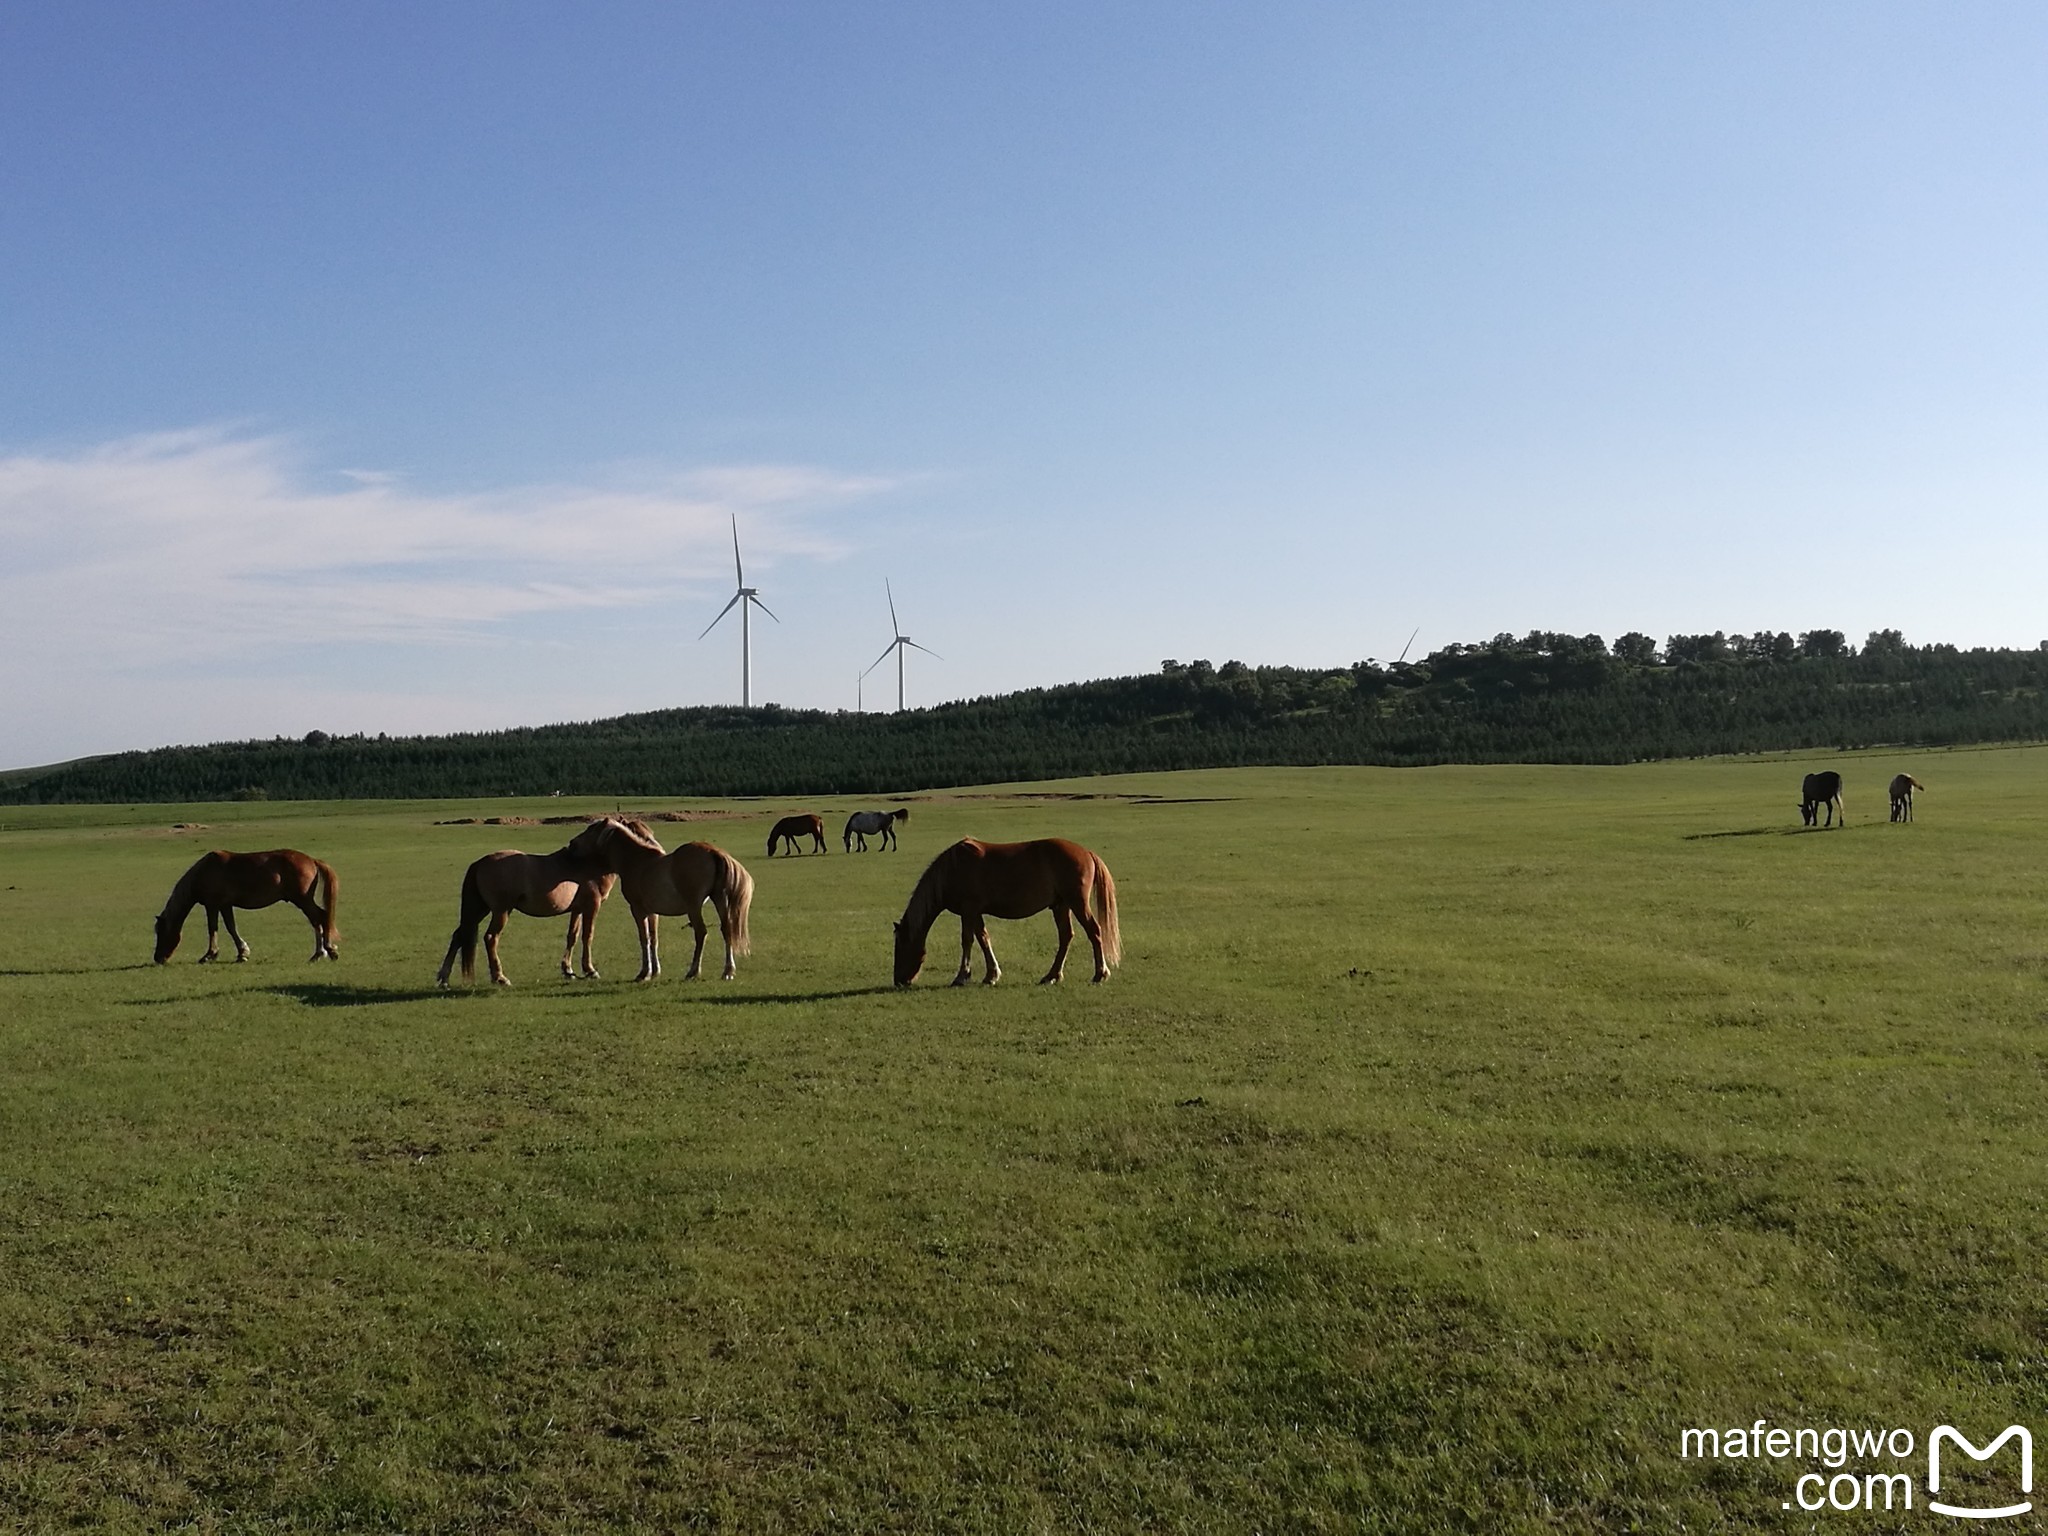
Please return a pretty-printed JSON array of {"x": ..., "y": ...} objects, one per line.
[{"x": 177, "y": 547}]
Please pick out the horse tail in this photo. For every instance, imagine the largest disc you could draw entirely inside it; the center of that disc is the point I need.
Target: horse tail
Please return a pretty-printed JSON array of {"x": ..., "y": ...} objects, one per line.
[
  {"x": 474, "y": 910},
  {"x": 734, "y": 894},
  {"x": 330, "y": 891},
  {"x": 1105, "y": 914}
]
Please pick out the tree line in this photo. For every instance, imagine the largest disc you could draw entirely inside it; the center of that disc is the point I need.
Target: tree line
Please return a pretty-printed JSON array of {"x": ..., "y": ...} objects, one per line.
[{"x": 1537, "y": 698}]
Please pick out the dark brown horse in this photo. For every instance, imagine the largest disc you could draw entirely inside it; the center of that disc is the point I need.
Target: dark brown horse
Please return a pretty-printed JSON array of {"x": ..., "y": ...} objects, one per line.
[
  {"x": 538, "y": 884},
  {"x": 1902, "y": 796},
  {"x": 658, "y": 884},
  {"x": 790, "y": 828},
  {"x": 983, "y": 880},
  {"x": 1821, "y": 789},
  {"x": 860, "y": 823},
  {"x": 223, "y": 881}
]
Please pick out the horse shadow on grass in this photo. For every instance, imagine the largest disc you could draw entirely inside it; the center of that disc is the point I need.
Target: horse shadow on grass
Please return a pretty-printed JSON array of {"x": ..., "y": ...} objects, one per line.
[
  {"x": 1701, "y": 837},
  {"x": 744, "y": 999},
  {"x": 73, "y": 970},
  {"x": 340, "y": 994}
]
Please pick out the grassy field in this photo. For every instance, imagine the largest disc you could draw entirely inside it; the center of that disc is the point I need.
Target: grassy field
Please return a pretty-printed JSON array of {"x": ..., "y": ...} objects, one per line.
[{"x": 1450, "y": 1141}]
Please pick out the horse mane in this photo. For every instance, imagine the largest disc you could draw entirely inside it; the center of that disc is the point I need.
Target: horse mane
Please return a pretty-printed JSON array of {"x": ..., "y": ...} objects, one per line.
[
  {"x": 640, "y": 833},
  {"x": 181, "y": 900},
  {"x": 928, "y": 897}
]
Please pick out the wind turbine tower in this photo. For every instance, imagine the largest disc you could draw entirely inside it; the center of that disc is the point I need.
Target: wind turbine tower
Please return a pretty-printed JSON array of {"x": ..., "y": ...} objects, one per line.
[
  {"x": 747, "y": 599},
  {"x": 897, "y": 645}
]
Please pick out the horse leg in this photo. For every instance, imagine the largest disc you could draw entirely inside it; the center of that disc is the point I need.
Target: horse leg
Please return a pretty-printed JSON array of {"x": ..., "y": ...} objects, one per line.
[
  {"x": 966, "y": 971},
  {"x": 1093, "y": 929},
  {"x": 569, "y": 944},
  {"x": 645, "y": 924},
  {"x": 495, "y": 927},
  {"x": 317, "y": 918},
  {"x": 212, "y": 937},
  {"x": 589, "y": 933},
  {"x": 1065, "y": 925},
  {"x": 994, "y": 971},
  {"x": 725, "y": 933},
  {"x": 227, "y": 916},
  {"x": 697, "y": 954}
]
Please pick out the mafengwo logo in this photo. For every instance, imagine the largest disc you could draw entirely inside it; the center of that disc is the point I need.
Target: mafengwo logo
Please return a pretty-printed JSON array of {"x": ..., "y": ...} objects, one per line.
[{"x": 1845, "y": 1480}]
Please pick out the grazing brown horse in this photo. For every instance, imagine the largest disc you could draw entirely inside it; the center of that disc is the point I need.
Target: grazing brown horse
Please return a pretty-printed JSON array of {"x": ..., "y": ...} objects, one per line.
[
  {"x": 1821, "y": 789},
  {"x": 860, "y": 823},
  {"x": 1902, "y": 796},
  {"x": 983, "y": 880},
  {"x": 538, "y": 884},
  {"x": 658, "y": 884},
  {"x": 790, "y": 828},
  {"x": 223, "y": 881}
]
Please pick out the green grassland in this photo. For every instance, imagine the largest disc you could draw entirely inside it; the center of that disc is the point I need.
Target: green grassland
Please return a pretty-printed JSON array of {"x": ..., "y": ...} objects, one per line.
[{"x": 1450, "y": 1139}]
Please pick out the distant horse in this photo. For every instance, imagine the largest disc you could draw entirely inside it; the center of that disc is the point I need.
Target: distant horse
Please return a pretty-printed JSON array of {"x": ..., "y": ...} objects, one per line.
[
  {"x": 538, "y": 884},
  {"x": 983, "y": 880},
  {"x": 1821, "y": 789},
  {"x": 862, "y": 822},
  {"x": 790, "y": 828},
  {"x": 658, "y": 884},
  {"x": 223, "y": 881},
  {"x": 1902, "y": 796}
]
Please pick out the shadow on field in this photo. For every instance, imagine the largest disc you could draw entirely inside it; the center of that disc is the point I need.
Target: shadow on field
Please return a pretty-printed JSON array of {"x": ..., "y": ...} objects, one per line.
[
  {"x": 741, "y": 999},
  {"x": 73, "y": 970},
  {"x": 1700, "y": 837},
  {"x": 334, "y": 994}
]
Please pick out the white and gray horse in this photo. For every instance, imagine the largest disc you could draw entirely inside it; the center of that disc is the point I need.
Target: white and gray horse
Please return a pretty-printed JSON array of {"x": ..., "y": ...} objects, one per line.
[{"x": 860, "y": 823}]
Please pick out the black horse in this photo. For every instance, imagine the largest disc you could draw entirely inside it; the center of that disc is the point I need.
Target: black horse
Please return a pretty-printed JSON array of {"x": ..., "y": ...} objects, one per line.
[{"x": 1821, "y": 789}]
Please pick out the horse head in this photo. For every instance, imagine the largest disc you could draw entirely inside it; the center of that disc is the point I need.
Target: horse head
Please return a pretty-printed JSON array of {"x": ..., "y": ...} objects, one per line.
[
  {"x": 167, "y": 936},
  {"x": 909, "y": 955}
]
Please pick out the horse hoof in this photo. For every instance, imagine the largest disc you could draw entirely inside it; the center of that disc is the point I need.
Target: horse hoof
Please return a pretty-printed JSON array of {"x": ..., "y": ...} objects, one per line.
[
  {"x": 1048, "y": 981},
  {"x": 961, "y": 981},
  {"x": 501, "y": 981}
]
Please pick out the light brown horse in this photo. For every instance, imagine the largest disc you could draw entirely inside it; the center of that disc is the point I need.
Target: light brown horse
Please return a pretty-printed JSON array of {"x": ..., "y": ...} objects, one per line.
[
  {"x": 538, "y": 884},
  {"x": 223, "y": 881},
  {"x": 1902, "y": 796},
  {"x": 659, "y": 884},
  {"x": 983, "y": 880},
  {"x": 790, "y": 828}
]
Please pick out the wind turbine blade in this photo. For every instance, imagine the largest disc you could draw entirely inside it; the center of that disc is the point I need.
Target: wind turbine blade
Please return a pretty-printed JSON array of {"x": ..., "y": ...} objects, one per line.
[
  {"x": 935, "y": 656},
  {"x": 881, "y": 658},
  {"x": 736, "y": 570},
  {"x": 895, "y": 628},
  {"x": 764, "y": 608},
  {"x": 721, "y": 614},
  {"x": 1404, "y": 649}
]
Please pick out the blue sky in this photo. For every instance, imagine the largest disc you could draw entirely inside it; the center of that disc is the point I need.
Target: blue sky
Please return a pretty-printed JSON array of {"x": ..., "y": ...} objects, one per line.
[{"x": 400, "y": 366}]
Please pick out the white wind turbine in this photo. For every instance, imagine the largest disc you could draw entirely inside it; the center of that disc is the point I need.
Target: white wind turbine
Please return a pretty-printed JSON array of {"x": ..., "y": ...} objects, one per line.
[
  {"x": 897, "y": 645},
  {"x": 747, "y": 599}
]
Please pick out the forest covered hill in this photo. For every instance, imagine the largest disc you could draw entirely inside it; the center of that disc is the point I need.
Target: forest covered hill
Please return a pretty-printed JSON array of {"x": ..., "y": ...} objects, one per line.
[{"x": 1537, "y": 698}]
